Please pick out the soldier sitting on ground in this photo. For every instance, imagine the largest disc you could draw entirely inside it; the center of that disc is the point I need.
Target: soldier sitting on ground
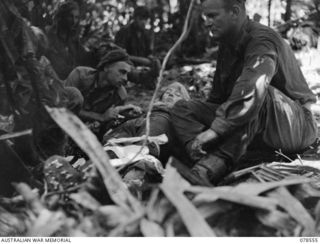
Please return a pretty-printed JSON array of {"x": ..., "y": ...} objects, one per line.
[{"x": 259, "y": 98}]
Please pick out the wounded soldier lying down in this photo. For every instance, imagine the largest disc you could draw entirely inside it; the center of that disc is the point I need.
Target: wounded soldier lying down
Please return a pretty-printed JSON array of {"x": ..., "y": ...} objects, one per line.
[{"x": 159, "y": 121}]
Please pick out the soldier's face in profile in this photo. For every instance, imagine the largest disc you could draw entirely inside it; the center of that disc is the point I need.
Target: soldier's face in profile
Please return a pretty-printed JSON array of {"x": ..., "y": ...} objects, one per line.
[
  {"x": 171, "y": 96},
  {"x": 116, "y": 75},
  {"x": 217, "y": 18}
]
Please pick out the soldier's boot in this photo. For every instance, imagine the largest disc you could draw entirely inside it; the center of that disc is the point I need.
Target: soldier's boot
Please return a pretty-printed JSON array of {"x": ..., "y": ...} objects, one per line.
[{"x": 210, "y": 169}]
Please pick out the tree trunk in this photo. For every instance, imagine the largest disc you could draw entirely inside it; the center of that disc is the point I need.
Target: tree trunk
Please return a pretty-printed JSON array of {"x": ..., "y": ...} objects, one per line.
[
  {"x": 287, "y": 16},
  {"x": 269, "y": 12}
]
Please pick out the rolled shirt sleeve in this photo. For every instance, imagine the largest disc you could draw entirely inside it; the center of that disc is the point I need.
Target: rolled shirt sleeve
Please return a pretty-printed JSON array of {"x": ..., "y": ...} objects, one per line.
[
  {"x": 249, "y": 91},
  {"x": 73, "y": 79},
  {"x": 81, "y": 78}
]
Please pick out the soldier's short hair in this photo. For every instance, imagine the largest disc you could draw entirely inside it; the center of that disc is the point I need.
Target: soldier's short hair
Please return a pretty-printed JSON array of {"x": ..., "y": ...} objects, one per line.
[
  {"x": 117, "y": 55},
  {"x": 230, "y": 3}
]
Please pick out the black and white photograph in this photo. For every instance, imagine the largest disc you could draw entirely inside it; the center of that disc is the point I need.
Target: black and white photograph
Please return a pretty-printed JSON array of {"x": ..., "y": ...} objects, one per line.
[{"x": 159, "y": 118}]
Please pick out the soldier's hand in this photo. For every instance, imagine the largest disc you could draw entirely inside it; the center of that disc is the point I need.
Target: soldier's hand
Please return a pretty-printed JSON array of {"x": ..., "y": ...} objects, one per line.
[
  {"x": 111, "y": 113},
  {"x": 202, "y": 139},
  {"x": 197, "y": 151},
  {"x": 134, "y": 108}
]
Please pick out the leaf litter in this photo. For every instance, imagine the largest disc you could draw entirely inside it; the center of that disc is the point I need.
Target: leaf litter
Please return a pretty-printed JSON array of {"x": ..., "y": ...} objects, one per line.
[{"x": 286, "y": 204}]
